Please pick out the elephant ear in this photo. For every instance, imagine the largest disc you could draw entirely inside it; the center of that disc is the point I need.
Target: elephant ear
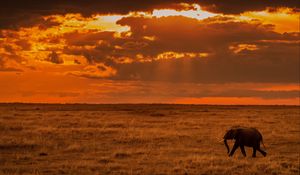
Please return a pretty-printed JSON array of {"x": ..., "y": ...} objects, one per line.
[
  {"x": 228, "y": 134},
  {"x": 235, "y": 133}
]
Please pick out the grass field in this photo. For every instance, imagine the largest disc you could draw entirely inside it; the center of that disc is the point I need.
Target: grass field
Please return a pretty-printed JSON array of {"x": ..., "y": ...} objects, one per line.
[{"x": 144, "y": 139}]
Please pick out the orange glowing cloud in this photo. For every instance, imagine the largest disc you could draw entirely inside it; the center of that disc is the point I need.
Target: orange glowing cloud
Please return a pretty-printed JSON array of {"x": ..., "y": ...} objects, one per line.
[{"x": 283, "y": 19}]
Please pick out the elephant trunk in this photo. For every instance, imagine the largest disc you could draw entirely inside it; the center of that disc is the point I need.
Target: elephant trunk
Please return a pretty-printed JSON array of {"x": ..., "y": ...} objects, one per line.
[{"x": 225, "y": 142}]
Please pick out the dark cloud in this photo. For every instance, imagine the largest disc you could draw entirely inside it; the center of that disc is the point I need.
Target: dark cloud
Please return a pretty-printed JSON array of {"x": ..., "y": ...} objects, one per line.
[
  {"x": 235, "y": 92},
  {"x": 53, "y": 57},
  {"x": 55, "y": 94},
  {"x": 77, "y": 61},
  {"x": 239, "y": 6},
  {"x": 24, "y": 44},
  {"x": 6, "y": 68},
  {"x": 266, "y": 63},
  {"x": 213, "y": 70},
  {"x": 15, "y": 13},
  {"x": 90, "y": 38},
  {"x": 14, "y": 19},
  {"x": 184, "y": 34},
  {"x": 191, "y": 36},
  {"x": 9, "y": 69},
  {"x": 96, "y": 71},
  {"x": 101, "y": 67},
  {"x": 140, "y": 89},
  {"x": 275, "y": 57}
]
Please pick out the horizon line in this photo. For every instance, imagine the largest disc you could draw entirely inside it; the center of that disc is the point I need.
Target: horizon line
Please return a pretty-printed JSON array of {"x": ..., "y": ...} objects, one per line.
[{"x": 196, "y": 104}]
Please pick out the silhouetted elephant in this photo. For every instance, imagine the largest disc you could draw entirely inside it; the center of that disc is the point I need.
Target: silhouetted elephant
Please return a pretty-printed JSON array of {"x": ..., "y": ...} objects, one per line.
[{"x": 244, "y": 136}]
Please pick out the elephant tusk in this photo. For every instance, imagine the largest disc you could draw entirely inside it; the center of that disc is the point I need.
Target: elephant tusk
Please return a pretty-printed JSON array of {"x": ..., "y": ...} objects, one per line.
[{"x": 219, "y": 139}]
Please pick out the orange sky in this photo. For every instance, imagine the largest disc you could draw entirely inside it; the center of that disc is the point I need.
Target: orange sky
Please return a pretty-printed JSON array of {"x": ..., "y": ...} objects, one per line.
[{"x": 164, "y": 52}]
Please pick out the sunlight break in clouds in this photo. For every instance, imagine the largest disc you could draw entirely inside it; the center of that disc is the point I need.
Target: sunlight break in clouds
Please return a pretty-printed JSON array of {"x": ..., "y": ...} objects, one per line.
[{"x": 195, "y": 12}]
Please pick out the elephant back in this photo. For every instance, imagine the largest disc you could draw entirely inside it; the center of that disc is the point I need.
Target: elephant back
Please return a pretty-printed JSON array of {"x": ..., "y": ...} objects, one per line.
[{"x": 250, "y": 136}]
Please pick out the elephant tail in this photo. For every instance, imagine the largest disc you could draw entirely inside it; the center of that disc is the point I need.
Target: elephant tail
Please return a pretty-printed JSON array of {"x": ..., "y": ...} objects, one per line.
[{"x": 261, "y": 139}]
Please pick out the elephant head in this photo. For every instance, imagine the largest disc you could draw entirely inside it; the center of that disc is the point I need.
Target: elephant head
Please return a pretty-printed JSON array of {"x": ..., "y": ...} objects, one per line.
[{"x": 229, "y": 135}]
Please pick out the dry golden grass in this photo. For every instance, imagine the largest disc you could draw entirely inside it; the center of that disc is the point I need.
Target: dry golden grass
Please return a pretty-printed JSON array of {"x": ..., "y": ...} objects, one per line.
[{"x": 143, "y": 139}]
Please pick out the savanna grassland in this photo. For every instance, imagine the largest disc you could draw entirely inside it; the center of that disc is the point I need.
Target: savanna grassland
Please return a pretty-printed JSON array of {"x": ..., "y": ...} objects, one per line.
[{"x": 144, "y": 139}]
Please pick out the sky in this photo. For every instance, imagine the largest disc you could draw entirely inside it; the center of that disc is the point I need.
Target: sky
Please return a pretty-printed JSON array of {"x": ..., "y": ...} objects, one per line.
[{"x": 159, "y": 51}]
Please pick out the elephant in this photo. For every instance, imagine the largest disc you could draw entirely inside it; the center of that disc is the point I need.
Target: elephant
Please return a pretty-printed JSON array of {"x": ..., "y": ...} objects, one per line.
[{"x": 244, "y": 136}]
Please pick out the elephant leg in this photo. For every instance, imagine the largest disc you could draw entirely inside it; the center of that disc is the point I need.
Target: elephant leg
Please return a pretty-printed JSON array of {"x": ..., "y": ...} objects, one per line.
[
  {"x": 262, "y": 152},
  {"x": 235, "y": 146},
  {"x": 243, "y": 150},
  {"x": 254, "y": 152}
]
